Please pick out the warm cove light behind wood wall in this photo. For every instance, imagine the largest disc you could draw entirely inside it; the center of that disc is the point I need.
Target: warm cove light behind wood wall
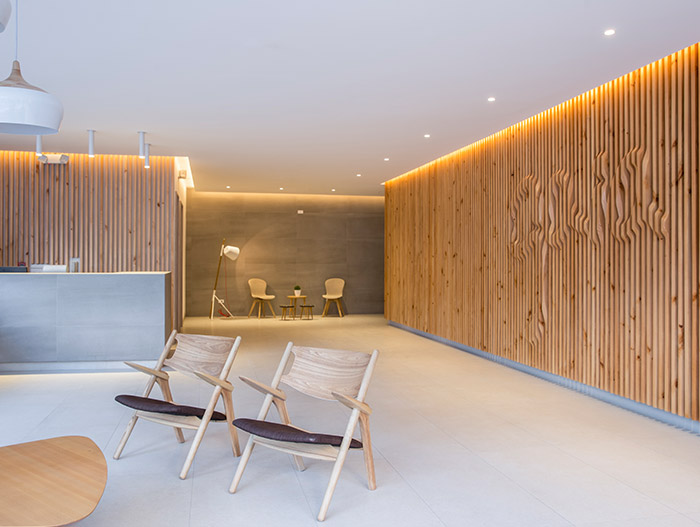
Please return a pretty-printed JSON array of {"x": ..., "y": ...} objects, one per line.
[
  {"x": 108, "y": 211},
  {"x": 568, "y": 242}
]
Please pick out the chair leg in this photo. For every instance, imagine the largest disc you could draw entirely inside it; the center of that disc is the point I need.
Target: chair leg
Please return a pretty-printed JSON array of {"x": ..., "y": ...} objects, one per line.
[
  {"x": 230, "y": 416},
  {"x": 125, "y": 437},
  {"x": 252, "y": 307},
  {"x": 340, "y": 307},
  {"x": 200, "y": 432},
  {"x": 269, "y": 304},
  {"x": 325, "y": 308},
  {"x": 241, "y": 465},
  {"x": 260, "y": 306},
  {"x": 337, "y": 467},
  {"x": 367, "y": 451}
]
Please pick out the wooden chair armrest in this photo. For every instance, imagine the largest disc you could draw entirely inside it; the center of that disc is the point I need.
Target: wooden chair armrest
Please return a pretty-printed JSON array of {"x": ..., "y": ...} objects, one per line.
[
  {"x": 264, "y": 388},
  {"x": 352, "y": 403},
  {"x": 149, "y": 371},
  {"x": 214, "y": 381}
]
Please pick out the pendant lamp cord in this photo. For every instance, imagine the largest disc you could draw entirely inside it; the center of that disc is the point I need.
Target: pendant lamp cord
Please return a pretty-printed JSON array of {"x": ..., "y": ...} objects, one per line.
[{"x": 16, "y": 27}]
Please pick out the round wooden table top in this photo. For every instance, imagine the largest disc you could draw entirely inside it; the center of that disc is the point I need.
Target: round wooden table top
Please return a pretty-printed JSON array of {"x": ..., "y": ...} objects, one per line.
[{"x": 50, "y": 482}]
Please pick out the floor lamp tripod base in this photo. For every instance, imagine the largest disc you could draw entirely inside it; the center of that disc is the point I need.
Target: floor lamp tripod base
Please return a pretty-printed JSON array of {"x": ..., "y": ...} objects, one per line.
[{"x": 214, "y": 300}]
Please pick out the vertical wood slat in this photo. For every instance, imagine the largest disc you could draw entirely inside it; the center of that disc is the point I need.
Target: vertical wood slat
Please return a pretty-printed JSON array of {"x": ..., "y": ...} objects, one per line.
[
  {"x": 568, "y": 242},
  {"x": 108, "y": 211}
]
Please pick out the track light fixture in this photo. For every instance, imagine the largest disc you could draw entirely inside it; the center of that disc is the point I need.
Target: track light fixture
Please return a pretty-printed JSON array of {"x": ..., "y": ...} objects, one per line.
[
  {"x": 91, "y": 143},
  {"x": 142, "y": 144}
]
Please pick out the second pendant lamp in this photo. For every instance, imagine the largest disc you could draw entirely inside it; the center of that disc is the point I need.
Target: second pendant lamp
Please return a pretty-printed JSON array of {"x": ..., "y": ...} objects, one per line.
[{"x": 26, "y": 109}]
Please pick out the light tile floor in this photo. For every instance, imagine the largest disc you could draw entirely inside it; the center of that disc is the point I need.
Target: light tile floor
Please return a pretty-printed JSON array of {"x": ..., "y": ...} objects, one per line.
[{"x": 458, "y": 441}]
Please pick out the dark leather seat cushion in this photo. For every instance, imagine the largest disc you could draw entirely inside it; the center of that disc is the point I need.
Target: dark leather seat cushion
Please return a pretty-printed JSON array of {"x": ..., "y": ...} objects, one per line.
[
  {"x": 280, "y": 432},
  {"x": 163, "y": 407}
]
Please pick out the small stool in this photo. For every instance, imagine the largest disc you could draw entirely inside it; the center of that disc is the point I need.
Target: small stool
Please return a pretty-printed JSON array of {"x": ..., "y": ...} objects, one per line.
[
  {"x": 288, "y": 310},
  {"x": 308, "y": 309}
]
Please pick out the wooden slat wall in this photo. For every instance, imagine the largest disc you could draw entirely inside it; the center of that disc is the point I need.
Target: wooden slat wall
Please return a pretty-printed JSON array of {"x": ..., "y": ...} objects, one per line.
[
  {"x": 568, "y": 242},
  {"x": 108, "y": 211}
]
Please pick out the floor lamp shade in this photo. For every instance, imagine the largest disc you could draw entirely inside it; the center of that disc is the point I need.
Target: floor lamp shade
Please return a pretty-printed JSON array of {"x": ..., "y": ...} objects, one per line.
[
  {"x": 26, "y": 109},
  {"x": 231, "y": 252}
]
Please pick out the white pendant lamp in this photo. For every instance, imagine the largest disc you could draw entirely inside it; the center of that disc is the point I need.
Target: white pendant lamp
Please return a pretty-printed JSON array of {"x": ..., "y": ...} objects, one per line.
[
  {"x": 26, "y": 109},
  {"x": 5, "y": 12}
]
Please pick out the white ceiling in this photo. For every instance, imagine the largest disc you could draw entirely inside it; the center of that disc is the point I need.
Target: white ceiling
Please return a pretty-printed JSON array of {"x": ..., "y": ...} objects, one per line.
[{"x": 306, "y": 94}]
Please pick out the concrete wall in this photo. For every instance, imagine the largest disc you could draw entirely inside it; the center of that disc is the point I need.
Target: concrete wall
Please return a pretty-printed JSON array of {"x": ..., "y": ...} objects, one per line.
[{"x": 337, "y": 236}]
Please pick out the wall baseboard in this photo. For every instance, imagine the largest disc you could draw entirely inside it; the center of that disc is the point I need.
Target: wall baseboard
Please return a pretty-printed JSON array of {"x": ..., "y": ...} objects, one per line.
[{"x": 668, "y": 418}]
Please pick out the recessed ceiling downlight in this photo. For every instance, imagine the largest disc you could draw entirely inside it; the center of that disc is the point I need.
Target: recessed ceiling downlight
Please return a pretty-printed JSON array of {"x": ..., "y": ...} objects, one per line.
[
  {"x": 386, "y": 159},
  {"x": 491, "y": 99},
  {"x": 426, "y": 136},
  {"x": 609, "y": 32}
]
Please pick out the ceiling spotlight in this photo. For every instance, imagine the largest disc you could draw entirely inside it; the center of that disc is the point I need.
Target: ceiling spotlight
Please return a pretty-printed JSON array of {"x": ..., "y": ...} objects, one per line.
[
  {"x": 147, "y": 156},
  {"x": 383, "y": 183},
  {"x": 26, "y": 109},
  {"x": 228, "y": 186},
  {"x": 91, "y": 143},
  {"x": 281, "y": 188},
  {"x": 38, "y": 145},
  {"x": 386, "y": 159},
  {"x": 142, "y": 144},
  {"x": 359, "y": 175},
  {"x": 609, "y": 32},
  {"x": 426, "y": 136},
  {"x": 332, "y": 190},
  {"x": 491, "y": 99}
]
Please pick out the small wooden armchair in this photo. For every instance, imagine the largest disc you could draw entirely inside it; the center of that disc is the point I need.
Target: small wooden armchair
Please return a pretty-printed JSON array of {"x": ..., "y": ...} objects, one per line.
[
  {"x": 209, "y": 358},
  {"x": 334, "y": 292},
  {"x": 258, "y": 290},
  {"x": 333, "y": 375}
]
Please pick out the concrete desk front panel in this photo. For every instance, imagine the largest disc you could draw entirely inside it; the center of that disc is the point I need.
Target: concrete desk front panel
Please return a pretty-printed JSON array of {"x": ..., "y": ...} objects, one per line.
[{"x": 77, "y": 317}]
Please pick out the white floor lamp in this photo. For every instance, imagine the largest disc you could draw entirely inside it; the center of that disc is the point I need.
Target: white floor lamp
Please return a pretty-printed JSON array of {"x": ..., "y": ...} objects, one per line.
[{"x": 231, "y": 253}]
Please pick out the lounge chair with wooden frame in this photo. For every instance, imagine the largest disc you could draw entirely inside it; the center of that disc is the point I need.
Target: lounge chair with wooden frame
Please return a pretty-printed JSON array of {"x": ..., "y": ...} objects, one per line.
[
  {"x": 209, "y": 358},
  {"x": 332, "y": 375}
]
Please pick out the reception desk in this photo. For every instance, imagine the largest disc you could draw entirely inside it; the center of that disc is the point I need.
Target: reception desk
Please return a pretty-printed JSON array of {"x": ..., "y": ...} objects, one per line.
[{"x": 81, "y": 320}]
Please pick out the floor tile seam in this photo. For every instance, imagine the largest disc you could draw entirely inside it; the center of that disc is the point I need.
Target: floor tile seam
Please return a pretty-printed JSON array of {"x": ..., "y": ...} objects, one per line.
[
  {"x": 46, "y": 417},
  {"x": 518, "y": 485},
  {"x": 686, "y": 515},
  {"x": 634, "y": 488},
  {"x": 301, "y": 486},
  {"x": 602, "y": 471},
  {"x": 413, "y": 489},
  {"x": 612, "y": 476},
  {"x": 506, "y": 476}
]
